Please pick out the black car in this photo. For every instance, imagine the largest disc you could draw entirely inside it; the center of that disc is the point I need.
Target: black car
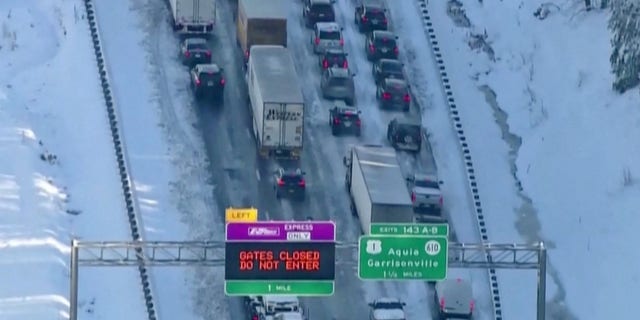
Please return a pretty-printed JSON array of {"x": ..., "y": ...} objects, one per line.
[
  {"x": 381, "y": 45},
  {"x": 207, "y": 80},
  {"x": 194, "y": 51},
  {"x": 387, "y": 68},
  {"x": 343, "y": 119},
  {"x": 371, "y": 15},
  {"x": 394, "y": 94},
  {"x": 333, "y": 58},
  {"x": 290, "y": 183},
  {"x": 318, "y": 11},
  {"x": 405, "y": 134}
]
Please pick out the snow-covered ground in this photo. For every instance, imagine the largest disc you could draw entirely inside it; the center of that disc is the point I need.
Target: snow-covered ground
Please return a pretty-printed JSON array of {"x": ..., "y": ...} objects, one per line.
[
  {"x": 51, "y": 106},
  {"x": 538, "y": 109}
]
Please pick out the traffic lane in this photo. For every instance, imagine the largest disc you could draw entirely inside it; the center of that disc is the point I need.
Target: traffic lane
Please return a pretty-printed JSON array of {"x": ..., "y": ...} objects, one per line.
[
  {"x": 228, "y": 140},
  {"x": 355, "y": 42},
  {"x": 258, "y": 178},
  {"x": 327, "y": 197}
]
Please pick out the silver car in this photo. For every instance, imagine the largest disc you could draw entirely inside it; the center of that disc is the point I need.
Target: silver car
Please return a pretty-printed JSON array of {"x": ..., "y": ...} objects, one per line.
[
  {"x": 454, "y": 298},
  {"x": 337, "y": 83},
  {"x": 327, "y": 36}
]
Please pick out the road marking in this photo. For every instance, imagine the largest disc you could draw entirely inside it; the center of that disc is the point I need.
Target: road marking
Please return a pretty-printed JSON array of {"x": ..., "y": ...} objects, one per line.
[{"x": 258, "y": 174}]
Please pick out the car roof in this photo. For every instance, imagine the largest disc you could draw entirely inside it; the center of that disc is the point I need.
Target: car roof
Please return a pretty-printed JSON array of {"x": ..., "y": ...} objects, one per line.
[
  {"x": 395, "y": 82},
  {"x": 375, "y": 6},
  {"x": 195, "y": 41},
  {"x": 387, "y": 300},
  {"x": 383, "y": 34},
  {"x": 339, "y": 72},
  {"x": 208, "y": 67},
  {"x": 455, "y": 289},
  {"x": 336, "y": 52},
  {"x": 328, "y": 26}
]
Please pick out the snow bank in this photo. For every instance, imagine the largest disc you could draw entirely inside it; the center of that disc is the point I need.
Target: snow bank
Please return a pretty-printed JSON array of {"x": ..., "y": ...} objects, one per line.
[
  {"x": 58, "y": 176},
  {"x": 578, "y": 145}
]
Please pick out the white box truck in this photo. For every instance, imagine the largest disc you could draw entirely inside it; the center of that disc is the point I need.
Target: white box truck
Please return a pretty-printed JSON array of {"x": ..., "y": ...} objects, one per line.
[
  {"x": 193, "y": 17},
  {"x": 377, "y": 186},
  {"x": 276, "y": 102},
  {"x": 261, "y": 22}
]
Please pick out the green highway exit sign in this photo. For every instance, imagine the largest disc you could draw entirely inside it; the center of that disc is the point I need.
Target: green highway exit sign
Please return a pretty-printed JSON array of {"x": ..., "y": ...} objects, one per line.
[
  {"x": 384, "y": 257},
  {"x": 410, "y": 229},
  {"x": 294, "y": 287}
]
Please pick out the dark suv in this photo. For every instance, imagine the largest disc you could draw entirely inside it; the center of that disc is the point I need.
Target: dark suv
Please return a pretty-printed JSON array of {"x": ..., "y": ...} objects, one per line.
[
  {"x": 405, "y": 134},
  {"x": 370, "y": 15},
  {"x": 394, "y": 94},
  {"x": 207, "y": 80},
  {"x": 387, "y": 68},
  {"x": 344, "y": 119},
  {"x": 290, "y": 183},
  {"x": 318, "y": 11},
  {"x": 381, "y": 45}
]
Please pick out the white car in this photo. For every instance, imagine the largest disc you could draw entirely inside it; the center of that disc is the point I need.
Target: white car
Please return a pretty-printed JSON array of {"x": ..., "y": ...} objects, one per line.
[
  {"x": 327, "y": 36},
  {"x": 454, "y": 298},
  {"x": 425, "y": 194},
  {"x": 387, "y": 309}
]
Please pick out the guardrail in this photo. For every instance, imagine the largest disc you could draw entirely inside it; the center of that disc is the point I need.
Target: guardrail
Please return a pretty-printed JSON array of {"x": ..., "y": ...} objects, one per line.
[
  {"x": 122, "y": 160},
  {"x": 464, "y": 147}
]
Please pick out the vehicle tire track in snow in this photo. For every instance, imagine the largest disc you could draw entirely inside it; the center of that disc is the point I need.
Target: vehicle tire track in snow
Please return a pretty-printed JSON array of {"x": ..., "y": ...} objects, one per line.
[
  {"x": 130, "y": 199},
  {"x": 180, "y": 119}
]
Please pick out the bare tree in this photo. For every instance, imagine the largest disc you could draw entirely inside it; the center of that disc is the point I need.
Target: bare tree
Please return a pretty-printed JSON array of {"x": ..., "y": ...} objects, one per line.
[{"x": 624, "y": 24}]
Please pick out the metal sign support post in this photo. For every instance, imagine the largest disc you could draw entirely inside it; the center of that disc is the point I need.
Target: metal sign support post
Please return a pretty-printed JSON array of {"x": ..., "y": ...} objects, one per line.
[
  {"x": 73, "y": 294},
  {"x": 542, "y": 282}
]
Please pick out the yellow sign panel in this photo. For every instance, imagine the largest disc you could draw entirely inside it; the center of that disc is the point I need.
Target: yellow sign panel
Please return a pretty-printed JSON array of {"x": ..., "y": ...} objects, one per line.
[{"x": 241, "y": 214}]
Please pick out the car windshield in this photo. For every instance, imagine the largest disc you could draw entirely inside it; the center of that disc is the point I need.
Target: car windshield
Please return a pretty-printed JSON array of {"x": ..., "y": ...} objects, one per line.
[
  {"x": 330, "y": 35},
  {"x": 339, "y": 82},
  {"x": 197, "y": 46},
  {"x": 392, "y": 67},
  {"x": 422, "y": 183},
  {"x": 322, "y": 8},
  {"x": 388, "y": 305},
  {"x": 385, "y": 41}
]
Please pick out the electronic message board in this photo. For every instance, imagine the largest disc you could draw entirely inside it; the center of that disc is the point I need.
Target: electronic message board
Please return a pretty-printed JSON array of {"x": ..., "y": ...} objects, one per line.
[{"x": 280, "y": 261}]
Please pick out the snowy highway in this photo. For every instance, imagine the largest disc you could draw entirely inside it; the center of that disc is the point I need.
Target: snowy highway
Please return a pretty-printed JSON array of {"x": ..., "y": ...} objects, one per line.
[
  {"x": 530, "y": 138},
  {"x": 240, "y": 179}
]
